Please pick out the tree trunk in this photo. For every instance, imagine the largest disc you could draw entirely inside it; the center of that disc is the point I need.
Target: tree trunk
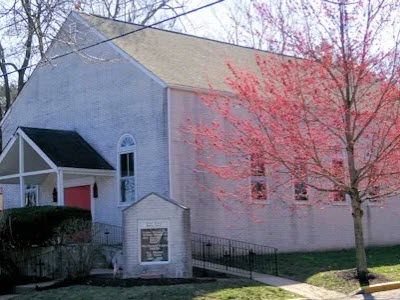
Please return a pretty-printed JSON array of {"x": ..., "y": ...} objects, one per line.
[{"x": 361, "y": 258}]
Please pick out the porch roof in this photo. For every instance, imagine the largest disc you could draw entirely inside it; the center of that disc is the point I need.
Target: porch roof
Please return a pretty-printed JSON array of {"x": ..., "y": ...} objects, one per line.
[
  {"x": 66, "y": 148},
  {"x": 36, "y": 155},
  {"x": 33, "y": 153}
]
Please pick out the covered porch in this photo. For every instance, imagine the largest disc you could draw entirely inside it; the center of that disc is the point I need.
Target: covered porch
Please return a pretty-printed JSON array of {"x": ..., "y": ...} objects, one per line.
[{"x": 60, "y": 160}]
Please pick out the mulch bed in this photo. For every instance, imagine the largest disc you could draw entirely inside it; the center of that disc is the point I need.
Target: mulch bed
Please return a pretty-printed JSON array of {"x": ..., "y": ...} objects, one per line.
[
  {"x": 351, "y": 275},
  {"x": 128, "y": 282}
]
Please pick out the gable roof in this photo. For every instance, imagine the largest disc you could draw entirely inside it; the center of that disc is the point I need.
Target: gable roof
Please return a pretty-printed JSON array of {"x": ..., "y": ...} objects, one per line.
[
  {"x": 160, "y": 197},
  {"x": 66, "y": 148},
  {"x": 177, "y": 59}
]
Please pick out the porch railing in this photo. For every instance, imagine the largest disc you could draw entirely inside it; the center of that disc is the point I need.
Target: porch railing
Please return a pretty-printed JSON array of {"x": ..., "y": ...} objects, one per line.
[{"x": 210, "y": 252}]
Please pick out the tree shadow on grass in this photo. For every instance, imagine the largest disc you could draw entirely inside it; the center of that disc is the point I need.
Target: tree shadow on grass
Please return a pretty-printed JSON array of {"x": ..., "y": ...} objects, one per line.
[{"x": 335, "y": 270}]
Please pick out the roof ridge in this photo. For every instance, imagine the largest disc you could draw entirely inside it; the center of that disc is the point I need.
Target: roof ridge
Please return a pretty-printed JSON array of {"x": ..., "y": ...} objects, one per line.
[{"x": 188, "y": 35}]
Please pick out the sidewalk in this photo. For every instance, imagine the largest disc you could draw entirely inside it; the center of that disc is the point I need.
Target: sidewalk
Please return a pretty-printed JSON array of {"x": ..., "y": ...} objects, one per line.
[
  {"x": 306, "y": 290},
  {"x": 6, "y": 297},
  {"x": 303, "y": 289}
]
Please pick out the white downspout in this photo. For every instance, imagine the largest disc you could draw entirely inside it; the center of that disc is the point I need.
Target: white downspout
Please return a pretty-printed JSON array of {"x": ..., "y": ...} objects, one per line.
[{"x": 60, "y": 188}]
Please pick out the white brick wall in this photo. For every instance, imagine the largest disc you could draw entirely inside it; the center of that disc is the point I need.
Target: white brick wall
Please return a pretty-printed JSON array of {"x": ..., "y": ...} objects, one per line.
[
  {"x": 310, "y": 228},
  {"x": 101, "y": 99}
]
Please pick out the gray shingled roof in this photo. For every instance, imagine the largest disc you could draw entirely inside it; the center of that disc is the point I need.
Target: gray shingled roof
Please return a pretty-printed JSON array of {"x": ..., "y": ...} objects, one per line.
[
  {"x": 66, "y": 148},
  {"x": 177, "y": 59}
]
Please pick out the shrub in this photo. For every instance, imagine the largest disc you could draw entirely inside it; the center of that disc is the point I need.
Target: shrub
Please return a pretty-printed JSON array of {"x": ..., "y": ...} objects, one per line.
[
  {"x": 38, "y": 225},
  {"x": 74, "y": 231},
  {"x": 8, "y": 268},
  {"x": 79, "y": 259}
]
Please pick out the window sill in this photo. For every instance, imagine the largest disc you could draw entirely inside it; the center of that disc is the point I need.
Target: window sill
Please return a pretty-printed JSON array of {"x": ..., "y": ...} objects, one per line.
[
  {"x": 344, "y": 203},
  {"x": 260, "y": 202},
  {"x": 154, "y": 263},
  {"x": 302, "y": 202},
  {"x": 375, "y": 204}
]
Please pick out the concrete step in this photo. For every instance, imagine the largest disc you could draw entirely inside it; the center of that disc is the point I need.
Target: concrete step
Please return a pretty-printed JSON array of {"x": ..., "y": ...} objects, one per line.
[
  {"x": 103, "y": 273},
  {"x": 29, "y": 288}
]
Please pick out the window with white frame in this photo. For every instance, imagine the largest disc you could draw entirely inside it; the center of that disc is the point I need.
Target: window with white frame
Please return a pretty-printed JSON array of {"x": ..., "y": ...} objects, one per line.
[
  {"x": 373, "y": 194},
  {"x": 339, "y": 196},
  {"x": 126, "y": 165},
  {"x": 300, "y": 181},
  {"x": 258, "y": 179},
  {"x": 31, "y": 195}
]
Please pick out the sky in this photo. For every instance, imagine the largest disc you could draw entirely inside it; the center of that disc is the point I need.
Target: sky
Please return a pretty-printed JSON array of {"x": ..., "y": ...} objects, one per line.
[{"x": 206, "y": 22}]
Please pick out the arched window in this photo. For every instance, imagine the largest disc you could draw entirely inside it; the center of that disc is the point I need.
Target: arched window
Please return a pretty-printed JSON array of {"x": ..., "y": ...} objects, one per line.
[{"x": 126, "y": 166}]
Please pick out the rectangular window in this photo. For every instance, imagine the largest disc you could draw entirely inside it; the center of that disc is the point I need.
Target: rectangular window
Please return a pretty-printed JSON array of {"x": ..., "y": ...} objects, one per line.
[
  {"x": 257, "y": 165},
  {"x": 127, "y": 189},
  {"x": 127, "y": 172},
  {"x": 258, "y": 188},
  {"x": 258, "y": 180},
  {"x": 338, "y": 171},
  {"x": 127, "y": 164},
  {"x": 373, "y": 195},
  {"x": 31, "y": 195},
  {"x": 300, "y": 191},
  {"x": 339, "y": 196},
  {"x": 300, "y": 184}
]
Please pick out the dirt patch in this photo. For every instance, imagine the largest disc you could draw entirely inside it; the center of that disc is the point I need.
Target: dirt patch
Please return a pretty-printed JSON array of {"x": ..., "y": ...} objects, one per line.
[{"x": 351, "y": 275}]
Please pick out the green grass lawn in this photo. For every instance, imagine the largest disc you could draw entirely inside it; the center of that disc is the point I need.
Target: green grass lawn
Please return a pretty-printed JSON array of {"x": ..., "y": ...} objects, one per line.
[
  {"x": 321, "y": 268},
  {"x": 222, "y": 289}
]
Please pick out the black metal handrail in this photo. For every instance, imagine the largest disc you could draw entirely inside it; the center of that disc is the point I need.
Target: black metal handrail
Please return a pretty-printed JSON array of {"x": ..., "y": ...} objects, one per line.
[
  {"x": 106, "y": 234},
  {"x": 233, "y": 255}
]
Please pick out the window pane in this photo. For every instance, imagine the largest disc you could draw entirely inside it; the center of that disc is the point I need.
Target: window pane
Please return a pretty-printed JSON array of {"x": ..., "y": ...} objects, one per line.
[
  {"x": 127, "y": 164},
  {"x": 124, "y": 165},
  {"x": 300, "y": 190},
  {"x": 131, "y": 164},
  {"x": 338, "y": 172},
  {"x": 31, "y": 195},
  {"x": 257, "y": 165},
  {"x": 127, "y": 142},
  {"x": 128, "y": 189},
  {"x": 373, "y": 194},
  {"x": 339, "y": 196},
  {"x": 258, "y": 188}
]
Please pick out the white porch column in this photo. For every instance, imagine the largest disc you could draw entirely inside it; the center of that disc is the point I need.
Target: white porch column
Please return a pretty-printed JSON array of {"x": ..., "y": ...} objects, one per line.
[
  {"x": 60, "y": 188},
  {"x": 21, "y": 171}
]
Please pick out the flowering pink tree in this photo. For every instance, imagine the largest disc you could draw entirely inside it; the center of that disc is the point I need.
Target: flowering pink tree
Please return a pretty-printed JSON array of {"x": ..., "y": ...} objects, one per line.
[{"x": 325, "y": 120}]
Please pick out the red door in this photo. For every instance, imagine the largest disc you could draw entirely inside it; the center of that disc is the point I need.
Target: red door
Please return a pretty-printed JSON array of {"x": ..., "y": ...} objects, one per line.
[{"x": 77, "y": 196}]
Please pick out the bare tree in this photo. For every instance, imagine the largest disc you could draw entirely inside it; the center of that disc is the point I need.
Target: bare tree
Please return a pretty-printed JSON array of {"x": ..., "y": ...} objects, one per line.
[
  {"x": 243, "y": 22},
  {"x": 325, "y": 122},
  {"x": 27, "y": 27}
]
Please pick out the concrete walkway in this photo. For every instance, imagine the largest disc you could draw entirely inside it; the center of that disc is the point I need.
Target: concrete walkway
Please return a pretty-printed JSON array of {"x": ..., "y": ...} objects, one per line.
[
  {"x": 6, "y": 297},
  {"x": 303, "y": 289}
]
